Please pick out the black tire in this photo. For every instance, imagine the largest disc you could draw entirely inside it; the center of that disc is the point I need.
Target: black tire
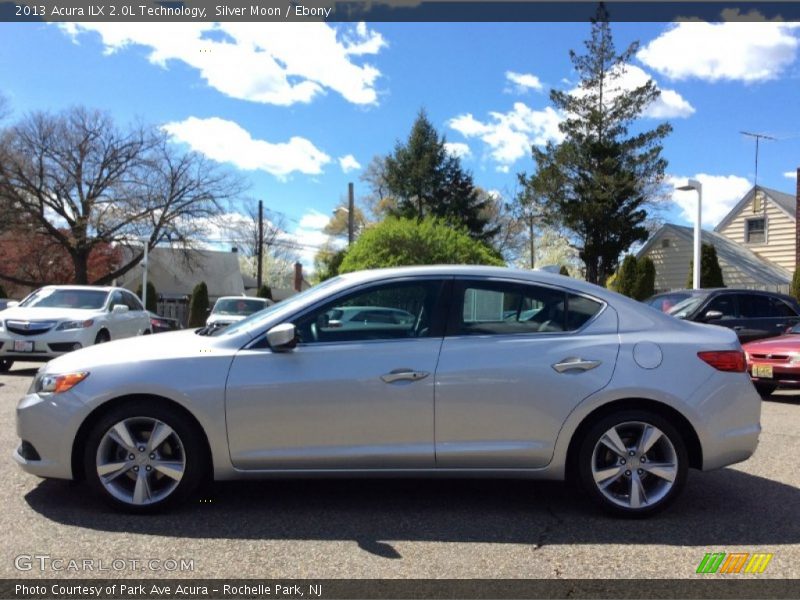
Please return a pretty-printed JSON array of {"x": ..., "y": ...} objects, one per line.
[
  {"x": 617, "y": 494},
  {"x": 102, "y": 337},
  {"x": 120, "y": 491},
  {"x": 765, "y": 389},
  {"x": 5, "y": 365}
]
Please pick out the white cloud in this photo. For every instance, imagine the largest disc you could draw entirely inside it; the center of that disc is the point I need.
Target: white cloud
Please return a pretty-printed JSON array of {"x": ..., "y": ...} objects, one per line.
[
  {"x": 790, "y": 174},
  {"x": 510, "y": 135},
  {"x": 524, "y": 82},
  {"x": 459, "y": 149},
  {"x": 747, "y": 52},
  {"x": 225, "y": 141},
  {"x": 670, "y": 104},
  {"x": 271, "y": 63},
  {"x": 720, "y": 195},
  {"x": 349, "y": 163},
  {"x": 314, "y": 220}
]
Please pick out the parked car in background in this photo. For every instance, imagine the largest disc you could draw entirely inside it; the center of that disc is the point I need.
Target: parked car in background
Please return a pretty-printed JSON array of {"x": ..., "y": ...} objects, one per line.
[
  {"x": 4, "y": 302},
  {"x": 594, "y": 386},
  {"x": 752, "y": 314},
  {"x": 666, "y": 301},
  {"x": 159, "y": 324},
  {"x": 230, "y": 309},
  {"x": 775, "y": 362},
  {"x": 57, "y": 319}
]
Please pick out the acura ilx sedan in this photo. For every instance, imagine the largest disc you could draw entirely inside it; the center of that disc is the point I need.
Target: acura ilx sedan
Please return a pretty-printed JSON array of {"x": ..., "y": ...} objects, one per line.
[{"x": 582, "y": 383}]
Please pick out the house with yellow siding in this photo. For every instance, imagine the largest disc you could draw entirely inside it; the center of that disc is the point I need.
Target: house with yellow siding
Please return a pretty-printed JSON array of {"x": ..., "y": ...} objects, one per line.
[{"x": 755, "y": 245}]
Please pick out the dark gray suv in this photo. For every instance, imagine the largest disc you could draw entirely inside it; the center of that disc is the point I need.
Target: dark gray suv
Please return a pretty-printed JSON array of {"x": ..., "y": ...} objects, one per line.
[{"x": 752, "y": 314}]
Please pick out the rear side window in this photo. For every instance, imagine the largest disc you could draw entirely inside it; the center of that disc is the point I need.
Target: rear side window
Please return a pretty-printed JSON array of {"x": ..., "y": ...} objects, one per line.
[
  {"x": 494, "y": 308},
  {"x": 781, "y": 308}
]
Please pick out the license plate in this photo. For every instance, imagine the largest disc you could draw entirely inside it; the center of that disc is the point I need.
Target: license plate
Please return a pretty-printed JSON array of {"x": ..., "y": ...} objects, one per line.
[
  {"x": 22, "y": 346},
  {"x": 762, "y": 371}
]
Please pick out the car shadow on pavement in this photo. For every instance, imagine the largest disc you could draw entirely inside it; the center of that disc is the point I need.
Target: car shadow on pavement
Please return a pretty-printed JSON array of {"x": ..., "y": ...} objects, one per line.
[
  {"x": 27, "y": 372},
  {"x": 720, "y": 508}
]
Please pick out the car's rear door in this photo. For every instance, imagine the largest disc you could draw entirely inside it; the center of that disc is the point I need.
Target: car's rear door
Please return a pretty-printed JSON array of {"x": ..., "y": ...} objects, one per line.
[
  {"x": 517, "y": 358},
  {"x": 349, "y": 396},
  {"x": 763, "y": 316}
]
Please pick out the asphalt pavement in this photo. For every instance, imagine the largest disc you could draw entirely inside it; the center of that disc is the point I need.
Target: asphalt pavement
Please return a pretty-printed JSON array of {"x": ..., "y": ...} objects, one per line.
[{"x": 402, "y": 528}]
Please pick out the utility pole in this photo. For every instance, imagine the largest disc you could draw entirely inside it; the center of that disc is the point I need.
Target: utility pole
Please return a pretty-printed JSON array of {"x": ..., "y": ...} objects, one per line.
[
  {"x": 533, "y": 249},
  {"x": 260, "y": 243},
  {"x": 350, "y": 214}
]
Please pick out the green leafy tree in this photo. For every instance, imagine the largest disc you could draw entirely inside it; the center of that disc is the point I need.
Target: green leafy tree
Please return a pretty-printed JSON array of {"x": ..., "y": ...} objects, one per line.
[
  {"x": 599, "y": 180},
  {"x": 264, "y": 292},
  {"x": 397, "y": 242},
  {"x": 425, "y": 180},
  {"x": 152, "y": 299},
  {"x": 198, "y": 305},
  {"x": 796, "y": 284},
  {"x": 645, "y": 284},
  {"x": 710, "y": 271},
  {"x": 327, "y": 262},
  {"x": 626, "y": 276}
]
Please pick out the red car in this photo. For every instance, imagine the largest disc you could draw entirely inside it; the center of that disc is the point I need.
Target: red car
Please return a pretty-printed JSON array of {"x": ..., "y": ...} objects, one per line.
[{"x": 774, "y": 361}]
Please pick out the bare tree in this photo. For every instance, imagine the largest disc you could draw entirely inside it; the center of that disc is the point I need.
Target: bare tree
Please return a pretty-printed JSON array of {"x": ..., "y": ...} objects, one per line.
[{"x": 85, "y": 183}]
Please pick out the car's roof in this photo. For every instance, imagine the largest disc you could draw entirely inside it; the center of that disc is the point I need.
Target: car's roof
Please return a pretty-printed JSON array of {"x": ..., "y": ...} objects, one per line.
[
  {"x": 242, "y": 298},
  {"x": 103, "y": 288}
]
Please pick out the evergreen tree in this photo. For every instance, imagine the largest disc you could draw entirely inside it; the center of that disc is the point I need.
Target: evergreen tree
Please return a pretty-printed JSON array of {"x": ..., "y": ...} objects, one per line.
[
  {"x": 598, "y": 181},
  {"x": 710, "y": 271},
  {"x": 626, "y": 277},
  {"x": 796, "y": 284},
  {"x": 426, "y": 181},
  {"x": 264, "y": 292},
  {"x": 152, "y": 299},
  {"x": 645, "y": 284},
  {"x": 563, "y": 271},
  {"x": 198, "y": 305}
]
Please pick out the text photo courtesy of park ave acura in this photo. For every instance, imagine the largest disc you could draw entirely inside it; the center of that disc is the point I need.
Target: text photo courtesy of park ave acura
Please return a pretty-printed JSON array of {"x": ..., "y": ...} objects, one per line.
[{"x": 399, "y": 300}]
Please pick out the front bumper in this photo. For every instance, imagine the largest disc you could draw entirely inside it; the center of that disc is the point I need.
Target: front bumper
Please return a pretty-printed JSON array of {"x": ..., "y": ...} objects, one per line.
[
  {"x": 48, "y": 423},
  {"x": 783, "y": 374},
  {"x": 44, "y": 346}
]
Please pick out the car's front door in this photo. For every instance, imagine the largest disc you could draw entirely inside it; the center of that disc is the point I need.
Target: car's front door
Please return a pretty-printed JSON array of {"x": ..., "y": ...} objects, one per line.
[
  {"x": 516, "y": 361},
  {"x": 356, "y": 395}
]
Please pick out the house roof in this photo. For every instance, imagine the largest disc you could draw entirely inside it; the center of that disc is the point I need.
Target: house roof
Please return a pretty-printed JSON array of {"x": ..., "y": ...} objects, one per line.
[
  {"x": 177, "y": 271},
  {"x": 747, "y": 261},
  {"x": 785, "y": 202}
]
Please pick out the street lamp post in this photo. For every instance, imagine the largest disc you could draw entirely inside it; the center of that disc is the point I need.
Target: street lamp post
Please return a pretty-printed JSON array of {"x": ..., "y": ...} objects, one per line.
[{"x": 695, "y": 185}]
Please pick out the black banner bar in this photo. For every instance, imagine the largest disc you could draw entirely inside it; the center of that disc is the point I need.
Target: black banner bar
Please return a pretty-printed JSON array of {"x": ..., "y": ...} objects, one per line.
[
  {"x": 393, "y": 10},
  {"x": 747, "y": 586}
]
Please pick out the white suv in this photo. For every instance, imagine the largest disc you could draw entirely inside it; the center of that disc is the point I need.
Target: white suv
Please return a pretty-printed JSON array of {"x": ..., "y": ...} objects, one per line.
[{"x": 57, "y": 319}]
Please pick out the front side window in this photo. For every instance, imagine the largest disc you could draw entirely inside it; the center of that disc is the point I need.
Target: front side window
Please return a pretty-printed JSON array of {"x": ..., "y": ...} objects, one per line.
[
  {"x": 724, "y": 304},
  {"x": 755, "y": 231},
  {"x": 389, "y": 311},
  {"x": 493, "y": 308},
  {"x": 132, "y": 302}
]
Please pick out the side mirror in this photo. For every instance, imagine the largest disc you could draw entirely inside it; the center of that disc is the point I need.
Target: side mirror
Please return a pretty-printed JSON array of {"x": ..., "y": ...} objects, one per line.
[
  {"x": 12, "y": 304},
  {"x": 713, "y": 315},
  {"x": 119, "y": 309},
  {"x": 282, "y": 338}
]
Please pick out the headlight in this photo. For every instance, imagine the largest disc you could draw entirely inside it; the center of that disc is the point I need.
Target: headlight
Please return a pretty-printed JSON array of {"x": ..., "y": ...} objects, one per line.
[
  {"x": 50, "y": 383},
  {"x": 75, "y": 325},
  {"x": 794, "y": 358}
]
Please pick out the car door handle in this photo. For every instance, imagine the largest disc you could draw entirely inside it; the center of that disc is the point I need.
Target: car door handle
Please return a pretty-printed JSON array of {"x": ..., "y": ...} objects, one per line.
[
  {"x": 576, "y": 364},
  {"x": 738, "y": 327},
  {"x": 404, "y": 375},
  {"x": 780, "y": 325}
]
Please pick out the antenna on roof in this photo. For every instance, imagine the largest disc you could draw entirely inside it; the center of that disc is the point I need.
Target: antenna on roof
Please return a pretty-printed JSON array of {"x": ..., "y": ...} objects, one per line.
[{"x": 758, "y": 137}]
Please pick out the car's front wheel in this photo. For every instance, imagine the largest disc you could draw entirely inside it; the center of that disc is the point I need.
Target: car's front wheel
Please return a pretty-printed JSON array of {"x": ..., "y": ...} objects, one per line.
[
  {"x": 633, "y": 463},
  {"x": 143, "y": 456},
  {"x": 5, "y": 364}
]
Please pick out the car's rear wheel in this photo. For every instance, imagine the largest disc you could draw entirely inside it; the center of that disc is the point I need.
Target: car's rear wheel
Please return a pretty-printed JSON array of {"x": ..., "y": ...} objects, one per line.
[
  {"x": 5, "y": 364},
  {"x": 633, "y": 463},
  {"x": 765, "y": 389},
  {"x": 142, "y": 457},
  {"x": 102, "y": 337}
]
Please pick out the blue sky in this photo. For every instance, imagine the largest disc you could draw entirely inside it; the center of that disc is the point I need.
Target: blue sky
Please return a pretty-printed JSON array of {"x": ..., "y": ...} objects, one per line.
[{"x": 300, "y": 108}]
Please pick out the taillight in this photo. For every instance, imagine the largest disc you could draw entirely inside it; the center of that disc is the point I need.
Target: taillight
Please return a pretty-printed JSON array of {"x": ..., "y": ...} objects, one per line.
[{"x": 725, "y": 360}]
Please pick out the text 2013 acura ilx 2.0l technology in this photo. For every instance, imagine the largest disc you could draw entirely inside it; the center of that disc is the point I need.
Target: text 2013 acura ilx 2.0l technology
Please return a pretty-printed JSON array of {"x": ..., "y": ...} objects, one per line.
[{"x": 499, "y": 373}]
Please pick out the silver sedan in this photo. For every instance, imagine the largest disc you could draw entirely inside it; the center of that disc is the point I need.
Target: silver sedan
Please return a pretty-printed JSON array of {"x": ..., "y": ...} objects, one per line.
[{"x": 499, "y": 373}]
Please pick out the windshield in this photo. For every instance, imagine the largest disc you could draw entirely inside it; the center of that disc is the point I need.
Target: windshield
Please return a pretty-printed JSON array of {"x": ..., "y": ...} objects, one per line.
[
  {"x": 237, "y": 306},
  {"x": 69, "y": 298},
  {"x": 683, "y": 309},
  {"x": 263, "y": 315}
]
